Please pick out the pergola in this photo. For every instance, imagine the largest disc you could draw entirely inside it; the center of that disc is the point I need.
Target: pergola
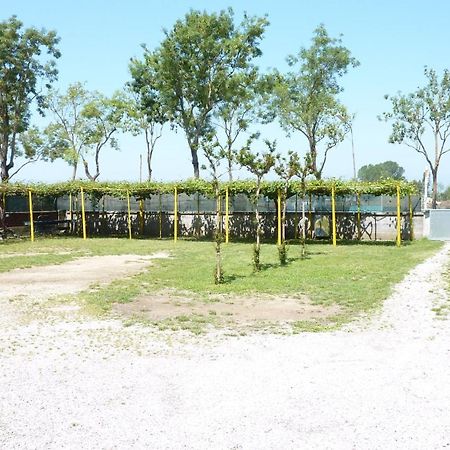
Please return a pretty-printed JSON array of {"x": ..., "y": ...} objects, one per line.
[{"x": 275, "y": 190}]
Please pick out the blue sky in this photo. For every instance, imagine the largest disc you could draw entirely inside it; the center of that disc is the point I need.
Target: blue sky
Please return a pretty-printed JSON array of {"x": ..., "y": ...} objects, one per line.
[{"x": 393, "y": 40}]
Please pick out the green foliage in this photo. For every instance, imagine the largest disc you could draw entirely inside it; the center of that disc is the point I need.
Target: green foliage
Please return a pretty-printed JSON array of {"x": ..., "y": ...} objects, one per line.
[
  {"x": 194, "y": 64},
  {"x": 421, "y": 120},
  {"x": 193, "y": 186},
  {"x": 375, "y": 172},
  {"x": 145, "y": 110},
  {"x": 23, "y": 70},
  {"x": 356, "y": 278},
  {"x": 67, "y": 135},
  {"x": 282, "y": 253},
  {"x": 259, "y": 165},
  {"x": 286, "y": 169},
  {"x": 242, "y": 107},
  {"x": 445, "y": 194},
  {"x": 256, "y": 257},
  {"x": 256, "y": 163},
  {"x": 306, "y": 100},
  {"x": 84, "y": 123}
]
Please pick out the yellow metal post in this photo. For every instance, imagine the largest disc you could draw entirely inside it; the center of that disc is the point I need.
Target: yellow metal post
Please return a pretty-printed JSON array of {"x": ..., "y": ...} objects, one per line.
[
  {"x": 129, "y": 215},
  {"x": 311, "y": 225},
  {"x": 30, "y": 204},
  {"x": 358, "y": 215},
  {"x": 160, "y": 215},
  {"x": 219, "y": 212},
  {"x": 279, "y": 218},
  {"x": 333, "y": 213},
  {"x": 70, "y": 213},
  {"x": 175, "y": 215},
  {"x": 296, "y": 218},
  {"x": 83, "y": 214},
  {"x": 399, "y": 224},
  {"x": 227, "y": 215},
  {"x": 411, "y": 219}
]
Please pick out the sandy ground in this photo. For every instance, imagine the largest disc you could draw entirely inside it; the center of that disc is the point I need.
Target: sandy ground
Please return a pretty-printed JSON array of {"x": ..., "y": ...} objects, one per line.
[{"x": 382, "y": 383}]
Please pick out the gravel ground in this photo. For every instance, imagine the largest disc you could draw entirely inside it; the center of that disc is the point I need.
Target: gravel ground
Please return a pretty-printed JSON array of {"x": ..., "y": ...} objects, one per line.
[{"x": 383, "y": 382}]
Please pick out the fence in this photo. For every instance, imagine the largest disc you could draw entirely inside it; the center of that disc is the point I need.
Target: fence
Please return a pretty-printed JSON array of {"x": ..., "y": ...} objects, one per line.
[{"x": 360, "y": 217}]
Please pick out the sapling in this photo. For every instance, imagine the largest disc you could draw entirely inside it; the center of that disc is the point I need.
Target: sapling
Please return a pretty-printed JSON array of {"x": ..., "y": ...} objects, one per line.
[
  {"x": 287, "y": 168},
  {"x": 259, "y": 165},
  {"x": 214, "y": 155}
]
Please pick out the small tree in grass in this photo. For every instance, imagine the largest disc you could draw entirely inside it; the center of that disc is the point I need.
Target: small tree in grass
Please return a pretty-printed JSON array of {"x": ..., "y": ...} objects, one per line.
[
  {"x": 214, "y": 155},
  {"x": 287, "y": 168},
  {"x": 259, "y": 165}
]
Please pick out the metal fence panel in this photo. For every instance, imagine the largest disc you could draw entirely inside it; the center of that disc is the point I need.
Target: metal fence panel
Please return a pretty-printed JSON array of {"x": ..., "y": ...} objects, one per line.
[{"x": 439, "y": 224}]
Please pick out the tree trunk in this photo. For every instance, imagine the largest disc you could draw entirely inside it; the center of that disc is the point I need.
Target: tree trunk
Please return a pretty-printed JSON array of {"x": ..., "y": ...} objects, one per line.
[
  {"x": 149, "y": 153},
  {"x": 257, "y": 218},
  {"x": 194, "y": 153},
  {"x": 283, "y": 214},
  {"x": 4, "y": 175},
  {"x": 2, "y": 216},
  {"x": 3, "y": 179},
  {"x": 219, "y": 275},
  {"x": 74, "y": 173},
  {"x": 434, "y": 173},
  {"x": 88, "y": 174}
]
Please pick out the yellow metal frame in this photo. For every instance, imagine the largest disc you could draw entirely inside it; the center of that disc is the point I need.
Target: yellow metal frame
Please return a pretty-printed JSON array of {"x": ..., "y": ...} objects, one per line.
[
  {"x": 30, "y": 204},
  {"x": 227, "y": 216},
  {"x": 411, "y": 219},
  {"x": 70, "y": 213},
  {"x": 83, "y": 214},
  {"x": 358, "y": 215},
  {"x": 296, "y": 218},
  {"x": 279, "y": 218},
  {"x": 311, "y": 225},
  {"x": 333, "y": 213},
  {"x": 399, "y": 218},
  {"x": 160, "y": 216},
  {"x": 175, "y": 214}
]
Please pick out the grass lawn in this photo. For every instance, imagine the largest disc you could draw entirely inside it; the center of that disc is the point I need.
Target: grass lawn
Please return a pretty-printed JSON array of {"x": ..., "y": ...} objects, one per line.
[{"x": 353, "y": 278}]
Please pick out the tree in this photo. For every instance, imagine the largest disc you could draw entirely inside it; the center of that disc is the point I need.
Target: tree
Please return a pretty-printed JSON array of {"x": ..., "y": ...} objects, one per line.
[
  {"x": 307, "y": 100},
  {"x": 194, "y": 64},
  {"x": 68, "y": 135},
  {"x": 214, "y": 155},
  {"x": 235, "y": 115},
  {"x": 105, "y": 116},
  {"x": 146, "y": 111},
  {"x": 421, "y": 120},
  {"x": 259, "y": 165},
  {"x": 22, "y": 69},
  {"x": 32, "y": 148},
  {"x": 287, "y": 168},
  {"x": 375, "y": 172},
  {"x": 85, "y": 123}
]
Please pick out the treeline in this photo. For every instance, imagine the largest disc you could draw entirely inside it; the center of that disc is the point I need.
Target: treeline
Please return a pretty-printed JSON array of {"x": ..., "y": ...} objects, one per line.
[{"x": 203, "y": 78}]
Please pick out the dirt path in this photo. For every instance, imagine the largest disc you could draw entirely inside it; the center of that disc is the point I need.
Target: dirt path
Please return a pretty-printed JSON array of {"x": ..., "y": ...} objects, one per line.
[
  {"x": 382, "y": 383},
  {"x": 22, "y": 289},
  {"x": 71, "y": 277}
]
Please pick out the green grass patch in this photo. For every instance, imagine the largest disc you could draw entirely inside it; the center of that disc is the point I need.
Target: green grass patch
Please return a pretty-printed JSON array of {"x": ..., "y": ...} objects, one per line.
[{"x": 357, "y": 278}]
